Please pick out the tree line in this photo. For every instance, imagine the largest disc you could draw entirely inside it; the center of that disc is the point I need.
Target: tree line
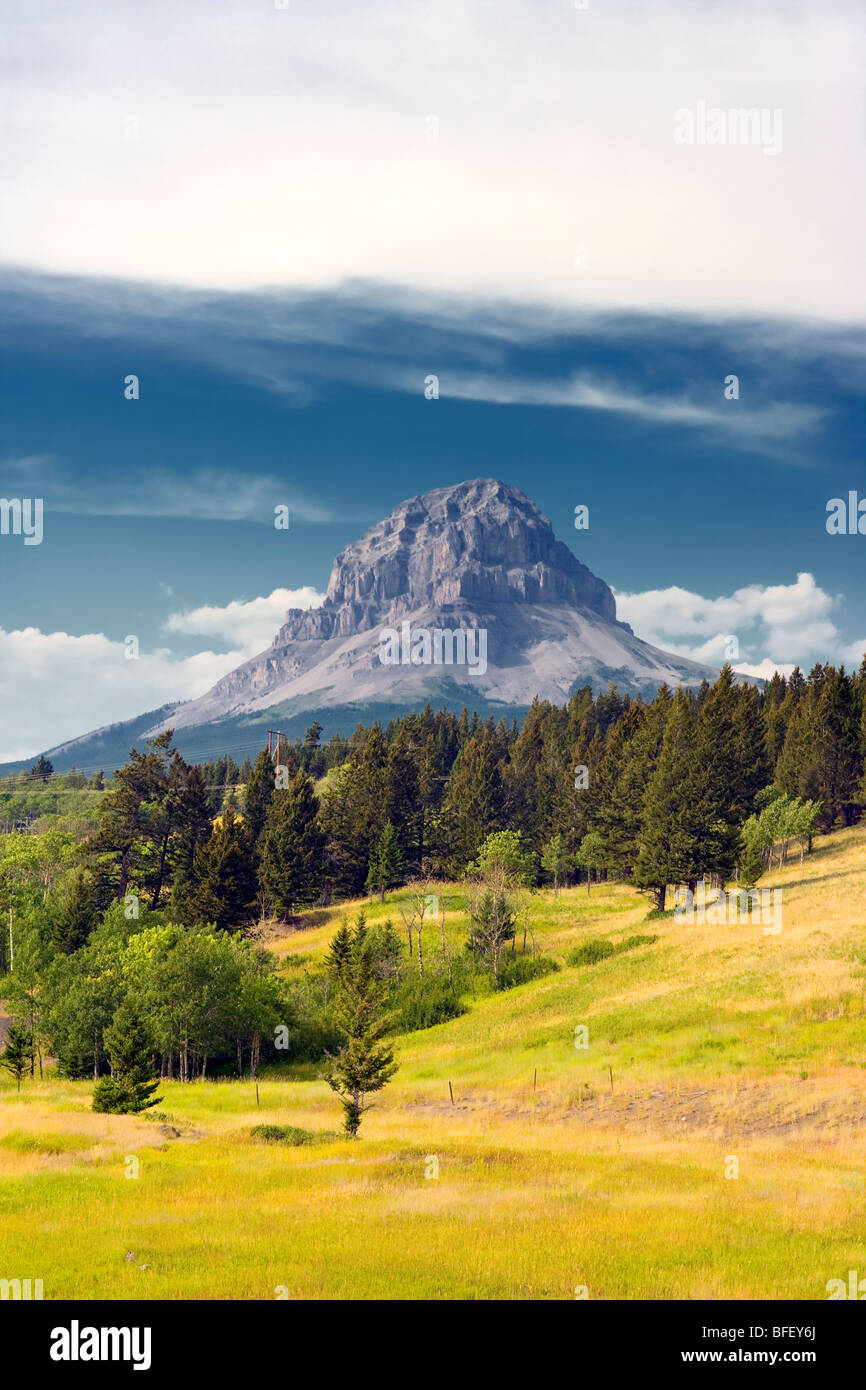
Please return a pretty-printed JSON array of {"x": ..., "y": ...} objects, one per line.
[
  {"x": 142, "y": 930},
  {"x": 654, "y": 792}
]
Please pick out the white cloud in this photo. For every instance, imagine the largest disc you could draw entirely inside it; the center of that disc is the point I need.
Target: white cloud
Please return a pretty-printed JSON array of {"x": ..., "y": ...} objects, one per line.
[
  {"x": 765, "y": 669},
  {"x": 55, "y": 686},
  {"x": 238, "y": 145},
  {"x": 201, "y": 494},
  {"x": 206, "y": 494},
  {"x": 251, "y": 624},
  {"x": 853, "y": 653},
  {"x": 776, "y": 422},
  {"x": 775, "y": 626},
  {"x": 265, "y": 339}
]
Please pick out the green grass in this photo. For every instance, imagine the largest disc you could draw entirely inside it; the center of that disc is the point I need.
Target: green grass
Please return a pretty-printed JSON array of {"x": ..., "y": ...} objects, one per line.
[
  {"x": 19, "y": 1142},
  {"x": 558, "y": 1165}
]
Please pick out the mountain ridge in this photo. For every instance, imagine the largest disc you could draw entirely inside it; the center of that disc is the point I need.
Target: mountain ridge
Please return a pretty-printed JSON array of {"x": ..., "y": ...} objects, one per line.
[
  {"x": 477, "y": 558},
  {"x": 478, "y": 555}
]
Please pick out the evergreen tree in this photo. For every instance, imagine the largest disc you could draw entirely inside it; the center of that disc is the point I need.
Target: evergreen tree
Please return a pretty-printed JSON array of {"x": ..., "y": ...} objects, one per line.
[
  {"x": 821, "y": 758},
  {"x": 194, "y": 828},
  {"x": 225, "y": 875},
  {"x": 18, "y": 1053},
  {"x": 364, "y": 1062},
  {"x": 353, "y": 813},
  {"x": 581, "y": 784},
  {"x": 258, "y": 794},
  {"x": 130, "y": 1088},
  {"x": 344, "y": 819},
  {"x": 313, "y": 735},
  {"x": 77, "y": 914},
  {"x": 520, "y": 806},
  {"x": 622, "y": 781},
  {"x": 796, "y": 770},
  {"x": 133, "y": 831},
  {"x": 837, "y": 749},
  {"x": 339, "y": 951},
  {"x": 291, "y": 845},
  {"x": 386, "y": 863},
  {"x": 719, "y": 788},
  {"x": 610, "y": 707},
  {"x": 429, "y": 788},
  {"x": 163, "y": 820},
  {"x": 774, "y": 717},
  {"x": 861, "y": 790},
  {"x": 42, "y": 769},
  {"x": 670, "y": 828},
  {"x": 754, "y": 766},
  {"x": 402, "y": 803},
  {"x": 314, "y": 760},
  {"x": 470, "y": 807}
]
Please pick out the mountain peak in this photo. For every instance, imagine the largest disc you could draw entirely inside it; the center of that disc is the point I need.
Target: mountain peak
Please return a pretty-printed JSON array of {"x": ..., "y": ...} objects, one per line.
[
  {"x": 475, "y": 558},
  {"x": 481, "y": 540}
]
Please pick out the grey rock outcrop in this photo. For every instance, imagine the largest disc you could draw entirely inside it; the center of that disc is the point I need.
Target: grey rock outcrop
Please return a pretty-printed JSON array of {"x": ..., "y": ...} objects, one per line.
[
  {"x": 480, "y": 541},
  {"x": 478, "y": 555}
]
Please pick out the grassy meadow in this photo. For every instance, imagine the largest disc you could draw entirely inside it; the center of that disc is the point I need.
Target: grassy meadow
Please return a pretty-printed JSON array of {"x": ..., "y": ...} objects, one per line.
[{"x": 711, "y": 1050}]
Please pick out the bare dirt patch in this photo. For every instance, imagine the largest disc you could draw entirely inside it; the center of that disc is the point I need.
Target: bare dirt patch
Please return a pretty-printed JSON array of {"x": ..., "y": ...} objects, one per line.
[{"x": 821, "y": 1107}]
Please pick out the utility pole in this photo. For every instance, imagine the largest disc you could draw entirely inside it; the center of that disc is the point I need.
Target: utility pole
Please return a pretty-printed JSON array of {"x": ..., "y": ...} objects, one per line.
[{"x": 278, "y": 735}]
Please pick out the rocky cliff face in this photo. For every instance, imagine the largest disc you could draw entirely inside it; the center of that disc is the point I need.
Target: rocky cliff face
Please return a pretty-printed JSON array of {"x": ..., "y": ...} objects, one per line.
[
  {"x": 479, "y": 555},
  {"x": 479, "y": 542}
]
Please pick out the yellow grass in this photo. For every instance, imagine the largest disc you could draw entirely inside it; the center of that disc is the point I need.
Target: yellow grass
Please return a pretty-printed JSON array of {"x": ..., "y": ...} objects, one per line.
[{"x": 728, "y": 1049}]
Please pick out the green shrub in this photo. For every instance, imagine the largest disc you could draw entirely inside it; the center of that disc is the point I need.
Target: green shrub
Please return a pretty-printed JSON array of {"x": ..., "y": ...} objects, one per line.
[
  {"x": 593, "y": 951},
  {"x": 519, "y": 970},
  {"x": 287, "y": 1134},
  {"x": 417, "y": 1003}
]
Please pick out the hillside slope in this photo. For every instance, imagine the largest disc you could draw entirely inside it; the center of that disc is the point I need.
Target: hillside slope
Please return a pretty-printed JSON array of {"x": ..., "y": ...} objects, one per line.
[{"x": 728, "y": 1049}]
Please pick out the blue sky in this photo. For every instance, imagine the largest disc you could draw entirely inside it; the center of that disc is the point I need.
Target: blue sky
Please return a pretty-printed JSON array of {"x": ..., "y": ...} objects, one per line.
[{"x": 283, "y": 263}]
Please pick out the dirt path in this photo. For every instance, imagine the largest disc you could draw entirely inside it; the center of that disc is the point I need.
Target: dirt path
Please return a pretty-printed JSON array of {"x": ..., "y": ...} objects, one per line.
[{"x": 824, "y": 1107}]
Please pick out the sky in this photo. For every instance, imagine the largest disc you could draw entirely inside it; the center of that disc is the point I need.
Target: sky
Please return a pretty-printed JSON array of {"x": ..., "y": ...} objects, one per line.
[{"x": 284, "y": 220}]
